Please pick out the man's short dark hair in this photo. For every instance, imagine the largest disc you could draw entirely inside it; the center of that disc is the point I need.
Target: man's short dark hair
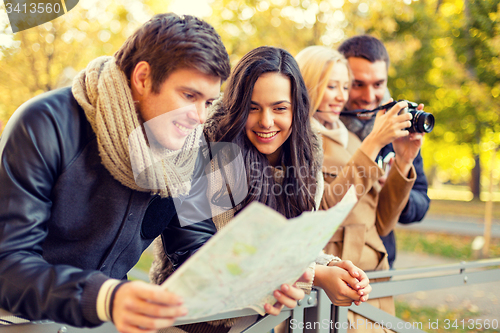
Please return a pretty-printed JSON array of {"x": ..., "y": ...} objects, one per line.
[
  {"x": 364, "y": 46},
  {"x": 168, "y": 42}
]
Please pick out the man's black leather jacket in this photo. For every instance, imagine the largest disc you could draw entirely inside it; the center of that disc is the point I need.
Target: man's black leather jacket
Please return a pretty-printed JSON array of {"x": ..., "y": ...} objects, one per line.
[{"x": 66, "y": 225}]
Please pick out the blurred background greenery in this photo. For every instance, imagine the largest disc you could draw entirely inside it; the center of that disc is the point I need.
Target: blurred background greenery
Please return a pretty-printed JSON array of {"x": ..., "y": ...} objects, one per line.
[{"x": 444, "y": 53}]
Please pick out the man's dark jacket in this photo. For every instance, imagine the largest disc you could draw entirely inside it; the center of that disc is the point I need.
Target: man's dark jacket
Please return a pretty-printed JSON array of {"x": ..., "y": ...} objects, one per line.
[{"x": 66, "y": 225}]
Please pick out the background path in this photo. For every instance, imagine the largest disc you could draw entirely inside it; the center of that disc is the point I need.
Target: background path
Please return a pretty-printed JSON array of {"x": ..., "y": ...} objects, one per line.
[
  {"x": 456, "y": 225},
  {"x": 483, "y": 298}
]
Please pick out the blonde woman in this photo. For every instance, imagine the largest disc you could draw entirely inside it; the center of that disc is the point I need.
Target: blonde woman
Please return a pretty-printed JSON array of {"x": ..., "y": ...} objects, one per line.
[{"x": 328, "y": 80}]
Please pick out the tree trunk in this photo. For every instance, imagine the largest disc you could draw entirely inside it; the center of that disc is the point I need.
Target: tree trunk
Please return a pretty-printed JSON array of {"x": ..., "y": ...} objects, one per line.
[{"x": 475, "y": 179}]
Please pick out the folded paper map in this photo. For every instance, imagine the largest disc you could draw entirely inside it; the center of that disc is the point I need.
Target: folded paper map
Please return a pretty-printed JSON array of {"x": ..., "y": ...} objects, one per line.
[{"x": 241, "y": 266}]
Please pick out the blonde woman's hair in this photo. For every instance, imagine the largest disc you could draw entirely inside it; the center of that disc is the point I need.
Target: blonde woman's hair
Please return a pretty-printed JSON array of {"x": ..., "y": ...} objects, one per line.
[{"x": 316, "y": 63}]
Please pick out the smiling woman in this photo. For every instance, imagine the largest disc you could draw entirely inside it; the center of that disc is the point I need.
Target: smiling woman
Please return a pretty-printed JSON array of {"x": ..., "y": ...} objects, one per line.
[
  {"x": 269, "y": 122},
  {"x": 326, "y": 74},
  {"x": 265, "y": 111}
]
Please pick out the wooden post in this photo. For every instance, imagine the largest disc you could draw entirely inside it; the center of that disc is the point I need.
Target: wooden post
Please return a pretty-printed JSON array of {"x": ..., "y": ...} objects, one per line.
[{"x": 489, "y": 209}]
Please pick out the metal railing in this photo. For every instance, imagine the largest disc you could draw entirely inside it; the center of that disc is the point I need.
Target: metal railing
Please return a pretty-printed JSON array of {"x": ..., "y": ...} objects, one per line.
[{"x": 316, "y": 314}]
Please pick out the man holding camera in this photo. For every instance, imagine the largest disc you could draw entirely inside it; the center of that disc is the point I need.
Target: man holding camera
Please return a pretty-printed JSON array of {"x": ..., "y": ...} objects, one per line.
[{"x": 369, "y": 63}]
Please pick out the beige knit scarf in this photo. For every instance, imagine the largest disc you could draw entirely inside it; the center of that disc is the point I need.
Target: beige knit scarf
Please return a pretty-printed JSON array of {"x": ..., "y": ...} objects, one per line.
[
  {"x": 339, "y": 134},
  {"x": 103, "y": 92}
]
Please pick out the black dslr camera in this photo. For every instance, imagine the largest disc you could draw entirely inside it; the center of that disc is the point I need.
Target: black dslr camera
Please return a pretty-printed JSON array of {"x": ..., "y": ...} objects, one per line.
[{"x": 421, "y": 122}]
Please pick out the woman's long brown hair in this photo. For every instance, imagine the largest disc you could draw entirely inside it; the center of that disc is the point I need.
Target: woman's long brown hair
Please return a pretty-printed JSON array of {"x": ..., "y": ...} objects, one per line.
[{"x": 295, "y": 194}]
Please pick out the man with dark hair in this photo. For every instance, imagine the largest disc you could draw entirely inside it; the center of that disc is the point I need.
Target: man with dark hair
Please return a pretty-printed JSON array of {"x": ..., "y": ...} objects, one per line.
[
  {"x": 82, "y": 196},
  {"x": 369, "y": 62}
]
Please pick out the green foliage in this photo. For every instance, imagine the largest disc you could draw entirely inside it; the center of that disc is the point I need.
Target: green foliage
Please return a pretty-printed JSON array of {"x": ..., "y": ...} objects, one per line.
[
  {"x": 47, "y": 57},
  {"x": 442, "y": 56},
  {"x": 435, "y": 244}
]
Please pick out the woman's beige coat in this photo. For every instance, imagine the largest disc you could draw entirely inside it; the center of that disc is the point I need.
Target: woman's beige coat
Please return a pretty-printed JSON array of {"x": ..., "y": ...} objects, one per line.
[{"x": 375, "y": 215}]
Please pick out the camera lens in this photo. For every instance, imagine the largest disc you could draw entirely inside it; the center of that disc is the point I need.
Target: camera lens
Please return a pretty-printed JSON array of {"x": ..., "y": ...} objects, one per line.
[{"x": 422, "y": 122}]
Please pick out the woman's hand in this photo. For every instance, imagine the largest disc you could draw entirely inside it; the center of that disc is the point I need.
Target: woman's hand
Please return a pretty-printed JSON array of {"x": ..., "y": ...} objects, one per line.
[
  {"x": 287, "y": 296},
  {"x": 344, "y": 283}
]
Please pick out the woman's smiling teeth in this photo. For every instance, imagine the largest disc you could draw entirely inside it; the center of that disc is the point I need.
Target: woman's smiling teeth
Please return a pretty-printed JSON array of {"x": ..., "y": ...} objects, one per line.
[
  {"x": 266, "y": 135},
  {"x": 182, "y": 128}
]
